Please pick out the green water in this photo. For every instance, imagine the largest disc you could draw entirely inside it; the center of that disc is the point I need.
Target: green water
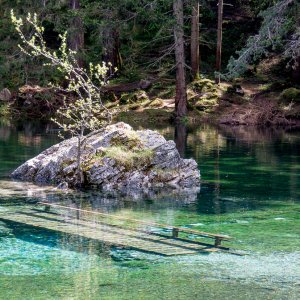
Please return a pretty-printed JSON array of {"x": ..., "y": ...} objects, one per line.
[{"x": 250, "y": 190}]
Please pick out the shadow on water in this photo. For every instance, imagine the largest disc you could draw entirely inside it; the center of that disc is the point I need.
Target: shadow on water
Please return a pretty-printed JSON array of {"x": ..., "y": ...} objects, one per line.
[{"x": 55, "y": 239}]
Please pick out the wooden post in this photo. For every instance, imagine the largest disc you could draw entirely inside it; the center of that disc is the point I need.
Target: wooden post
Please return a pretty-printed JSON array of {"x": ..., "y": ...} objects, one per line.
[
  {"x": 219, "y": 41},
  {"x": 175, "y": 232},
  {"x": 218, "y": 242}
]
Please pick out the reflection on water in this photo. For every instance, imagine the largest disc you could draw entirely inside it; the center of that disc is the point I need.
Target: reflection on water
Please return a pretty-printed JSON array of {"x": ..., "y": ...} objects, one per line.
[{"x": 250, "y": 190}]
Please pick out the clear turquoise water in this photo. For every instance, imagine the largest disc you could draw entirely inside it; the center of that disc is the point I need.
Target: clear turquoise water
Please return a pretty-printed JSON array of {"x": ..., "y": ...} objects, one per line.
[{"x": 250, "y": 190}]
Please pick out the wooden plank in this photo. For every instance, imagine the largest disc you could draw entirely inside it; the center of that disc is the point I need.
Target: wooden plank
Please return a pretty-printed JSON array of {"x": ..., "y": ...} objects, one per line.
[
  {"x": 130, "y": 233},
  {"x": 153, "y": 245},
  {"x": 173, "y": 228}
]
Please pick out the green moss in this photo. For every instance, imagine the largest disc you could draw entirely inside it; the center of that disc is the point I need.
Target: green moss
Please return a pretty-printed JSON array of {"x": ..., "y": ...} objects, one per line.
[
  {"x": 204, "y": 102},
  {"x": 203, "y": 86},
  {"x": 289, "y": 95},
  {"x": 128, "y": 158},
  {"x": 135, "y": 97},
  {"x": 134, "y": 106},
  {"x": 130, "y": 140},
  {"x": 145, "y": 118},
  {"x": 164, "y": 175},
  {"x": 67, "y": 163},
  {"x": 166, "y": 91},
  {"x": 4, "y": 110},
  {"x": 203, "y": 94},
  {"x": 110, "y": 97},
  {"x": 156, "y": 103}
]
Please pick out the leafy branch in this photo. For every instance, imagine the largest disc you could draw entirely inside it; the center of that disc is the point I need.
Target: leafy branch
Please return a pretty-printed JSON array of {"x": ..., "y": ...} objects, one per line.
[{"x": 87, "y": 113}]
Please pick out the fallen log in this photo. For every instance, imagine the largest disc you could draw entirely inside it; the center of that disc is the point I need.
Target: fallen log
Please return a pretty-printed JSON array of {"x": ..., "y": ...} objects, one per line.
[
  {"x": 128, "y": 87},
  {"x": 39, "y": 102}
]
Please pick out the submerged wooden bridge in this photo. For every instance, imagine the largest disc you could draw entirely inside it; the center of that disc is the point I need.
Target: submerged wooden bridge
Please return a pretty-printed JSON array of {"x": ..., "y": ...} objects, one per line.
[{"x": 102, "y": 227}]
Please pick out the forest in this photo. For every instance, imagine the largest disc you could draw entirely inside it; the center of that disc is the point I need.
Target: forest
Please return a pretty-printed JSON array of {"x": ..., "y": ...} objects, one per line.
[{"x": 218, "y": 61}]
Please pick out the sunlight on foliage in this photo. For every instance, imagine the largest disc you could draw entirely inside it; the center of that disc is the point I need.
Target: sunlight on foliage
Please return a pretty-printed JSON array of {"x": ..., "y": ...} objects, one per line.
[{"x": 87, "y": 112}]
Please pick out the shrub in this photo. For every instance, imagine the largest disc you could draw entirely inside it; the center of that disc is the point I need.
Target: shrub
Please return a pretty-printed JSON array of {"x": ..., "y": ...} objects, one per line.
[{"x": 290, "y": 95}]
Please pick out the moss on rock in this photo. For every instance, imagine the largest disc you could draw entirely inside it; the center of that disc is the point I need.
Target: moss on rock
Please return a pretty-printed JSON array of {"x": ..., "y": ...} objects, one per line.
[
  {"x": 290, "y": 95},
  {"x": 130, "y": 159},
  {"x": 130, "y": 140},
  {"x": 4, "y": 110},
  {"x": 203, "y": 95},
  {"x": 203, "y": 86},
  {"x": 156, "y": 103},
  {"x": 135, "y": 97}
]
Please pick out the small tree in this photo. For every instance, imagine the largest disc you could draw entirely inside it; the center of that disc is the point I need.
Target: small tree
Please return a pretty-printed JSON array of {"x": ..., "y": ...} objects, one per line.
[{"x": 87, "y": 113}]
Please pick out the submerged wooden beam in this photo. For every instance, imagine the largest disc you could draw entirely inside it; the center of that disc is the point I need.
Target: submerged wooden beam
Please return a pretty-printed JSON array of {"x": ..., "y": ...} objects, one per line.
[
  {"x": 175, "y": 230},
  {"x": 137, "y": 239}
]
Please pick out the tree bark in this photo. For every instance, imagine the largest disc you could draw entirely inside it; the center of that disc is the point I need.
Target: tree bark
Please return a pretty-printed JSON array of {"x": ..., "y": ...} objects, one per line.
[
  {"x": 76, "y": 32},
  {"x": 296, "y": 72},
  {"x": 181, "y": 138},
  {"x": 80, "y": 147},
  {"x": 195, "y": 52},
  {"x": 219, "y": 41},
  {"x": 111, "y": 46},
  {"x": 181, "y": 96}
]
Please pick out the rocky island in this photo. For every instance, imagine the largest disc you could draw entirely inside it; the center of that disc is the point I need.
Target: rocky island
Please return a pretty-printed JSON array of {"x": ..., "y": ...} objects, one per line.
[{"x": 116, "y": 158}]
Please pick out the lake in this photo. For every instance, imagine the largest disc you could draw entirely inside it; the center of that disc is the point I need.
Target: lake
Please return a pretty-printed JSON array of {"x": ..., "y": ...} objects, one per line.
[{"x": 250, "y": 190}]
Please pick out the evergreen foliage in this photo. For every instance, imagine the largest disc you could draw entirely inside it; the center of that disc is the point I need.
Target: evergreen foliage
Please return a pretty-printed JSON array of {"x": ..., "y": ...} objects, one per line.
[
  {"x": 136, "y": 36},
  {"x": 279, "y": 23}
]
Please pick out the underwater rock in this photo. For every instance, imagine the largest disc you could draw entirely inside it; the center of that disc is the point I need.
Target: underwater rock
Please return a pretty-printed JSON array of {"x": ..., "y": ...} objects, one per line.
[{"x": 116, "y": 158}]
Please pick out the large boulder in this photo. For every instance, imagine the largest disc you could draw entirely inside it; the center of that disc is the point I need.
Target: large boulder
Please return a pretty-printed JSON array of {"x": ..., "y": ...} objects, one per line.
[{"x": 116, "y": 158}]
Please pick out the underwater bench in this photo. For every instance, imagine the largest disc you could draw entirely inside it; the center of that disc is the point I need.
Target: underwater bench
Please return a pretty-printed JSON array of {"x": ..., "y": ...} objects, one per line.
[
  {"x": 217, "y": 237},
  {"x": 175, "y": 230}
]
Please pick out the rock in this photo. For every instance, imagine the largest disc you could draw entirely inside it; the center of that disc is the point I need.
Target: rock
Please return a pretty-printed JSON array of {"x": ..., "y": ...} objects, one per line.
[
  {"x": 134, "y": 97},
  {"x": 236, "y": 89},
  {"x": 116, "y": 158},
  {"x": 203, "y": 95},
  {"x": 63, "y": 186},
  {"x": 5, "y": 95},
  {"x": 145, "y": 84}
]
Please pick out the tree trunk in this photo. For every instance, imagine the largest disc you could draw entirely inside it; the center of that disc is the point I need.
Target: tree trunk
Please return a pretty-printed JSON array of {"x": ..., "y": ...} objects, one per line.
[
  {"x": 181, "y": 138},
  {"x": 76, "y": 32},
  {"x": 195, "y": 52},
  {"x": 219, "y": 41},
  {"x": 296, "y": 72},
  {"x": 79, "y": 174},
  {"x": 111, "y": 46},
  {"x": 181, "y": 97}
]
